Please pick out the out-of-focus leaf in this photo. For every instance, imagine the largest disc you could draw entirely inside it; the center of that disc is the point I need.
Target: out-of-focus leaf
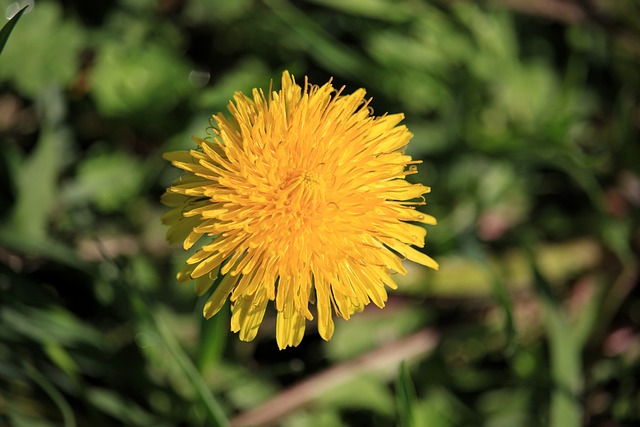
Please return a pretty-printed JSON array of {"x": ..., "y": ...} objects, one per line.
[
  {"x": 363, "y": 392},
  {"x": 106, "y": 180},
  {"x": 37, "y": 176},
  {"x": 247, "y": 74},
  {"x": 507, "y": 407},
  {"x": 363, "y": 333},
  {"x": 128, "y": 412},
  {"x": 422, "y": 60},
  {"x": 138, "y": 79},
  {"x": 43, "y": 53},
  {"x": 243, "y": 387},
  {"x": 62, "y": 359},
  {"x": 428, "y": 138},
  {"x": 46, "y": 326},
  {"x": 388, "y": 10},
  {"x": 405, "y": 397},
  {"x": 18, "y": 419},
  {"x": 319, "y": 43},
  {"x": 440, "y": 409},
  {"x": 219, "y": 11},
  {"x": 460, "y": 275},
  {"x": 143, "y": 273},
  {"x": 433, "y": 45},
  {"x": 493, "y": 34},
  {"x": 8, "y": 27}
]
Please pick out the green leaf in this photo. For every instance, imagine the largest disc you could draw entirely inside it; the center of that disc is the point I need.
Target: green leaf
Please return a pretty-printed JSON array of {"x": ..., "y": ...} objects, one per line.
[
  {"x": 354, "y": 337},
  {"x": 440, "y": 408},
  {"x": 131, "y": 79},
  {"x": 62, "y": 359},
  {"x": 242, "y": 387},
  {"x": 245, "y": 75},
  {"x": 405, "y": 397},
  {"x": 38, "y": 175},
  {"x": 506, "y": 407},
  {"x": 8, "y": 27},
  {"x": 108, "y": 181},
  {"x": 363, "y": 392},
  {"x": 45, "y": 53}
]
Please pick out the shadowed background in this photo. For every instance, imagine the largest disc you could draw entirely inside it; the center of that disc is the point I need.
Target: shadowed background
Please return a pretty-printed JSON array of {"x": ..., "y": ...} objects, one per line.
[{"x": 526, "y": 116}]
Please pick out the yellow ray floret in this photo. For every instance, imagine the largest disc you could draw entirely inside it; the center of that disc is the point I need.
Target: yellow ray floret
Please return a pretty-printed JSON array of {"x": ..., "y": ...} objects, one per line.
[{"x": 302, "y": 198}]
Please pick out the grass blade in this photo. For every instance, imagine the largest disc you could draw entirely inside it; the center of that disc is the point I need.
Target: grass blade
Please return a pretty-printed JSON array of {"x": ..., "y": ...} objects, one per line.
[
  {"x": 500, "y": 292},
  {"x": 564, "y": 353},
  {"x": 406, "y": 397},
  {"x": 326, "y": 49},
  {"x": 58, "y": 399},
  {"x": 214, "y": 410},
  {"x": 213, "y": 338},
  {"x": 8, "y": 28}
]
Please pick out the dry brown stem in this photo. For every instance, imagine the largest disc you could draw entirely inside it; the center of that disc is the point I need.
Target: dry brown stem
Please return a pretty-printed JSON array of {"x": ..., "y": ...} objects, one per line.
[{"x": 303, "y": 393}]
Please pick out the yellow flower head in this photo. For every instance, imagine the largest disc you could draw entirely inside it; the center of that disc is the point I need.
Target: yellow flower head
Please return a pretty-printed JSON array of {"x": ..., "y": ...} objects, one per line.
[{"x": 303, "y": 197}]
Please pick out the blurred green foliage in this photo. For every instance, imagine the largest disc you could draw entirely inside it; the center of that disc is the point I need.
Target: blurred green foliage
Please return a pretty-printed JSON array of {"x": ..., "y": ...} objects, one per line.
[{"x": 528, "y": 123}]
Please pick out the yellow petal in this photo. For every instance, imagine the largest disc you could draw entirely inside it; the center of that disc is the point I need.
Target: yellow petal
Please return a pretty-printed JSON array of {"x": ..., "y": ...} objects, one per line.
[{"x": 219, "y": 296}]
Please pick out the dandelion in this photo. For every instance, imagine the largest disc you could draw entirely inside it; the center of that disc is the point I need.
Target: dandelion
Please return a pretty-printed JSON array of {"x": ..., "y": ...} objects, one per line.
[{"x": 302, "y": 198}]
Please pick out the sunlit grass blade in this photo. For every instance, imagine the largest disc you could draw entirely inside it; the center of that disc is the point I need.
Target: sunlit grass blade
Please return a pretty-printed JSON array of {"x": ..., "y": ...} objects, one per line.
[
  {"x": 405, "y": 396},
  {"x": 8, "y": 28}
]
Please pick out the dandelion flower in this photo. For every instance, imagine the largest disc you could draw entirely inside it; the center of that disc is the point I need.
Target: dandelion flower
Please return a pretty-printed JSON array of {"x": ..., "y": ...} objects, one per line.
[{"x": 302, "y": 199}]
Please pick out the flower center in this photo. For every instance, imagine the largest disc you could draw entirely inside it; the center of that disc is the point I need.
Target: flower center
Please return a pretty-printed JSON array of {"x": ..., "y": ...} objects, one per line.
[
  {"x": 312, "y": 192},
  {"x": 312, "y": 180},
  {"x": 301, "y": 194}
]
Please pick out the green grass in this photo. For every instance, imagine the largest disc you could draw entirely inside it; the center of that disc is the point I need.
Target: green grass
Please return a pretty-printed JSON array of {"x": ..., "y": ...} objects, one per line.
[{"x": 527, "y": 125}]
